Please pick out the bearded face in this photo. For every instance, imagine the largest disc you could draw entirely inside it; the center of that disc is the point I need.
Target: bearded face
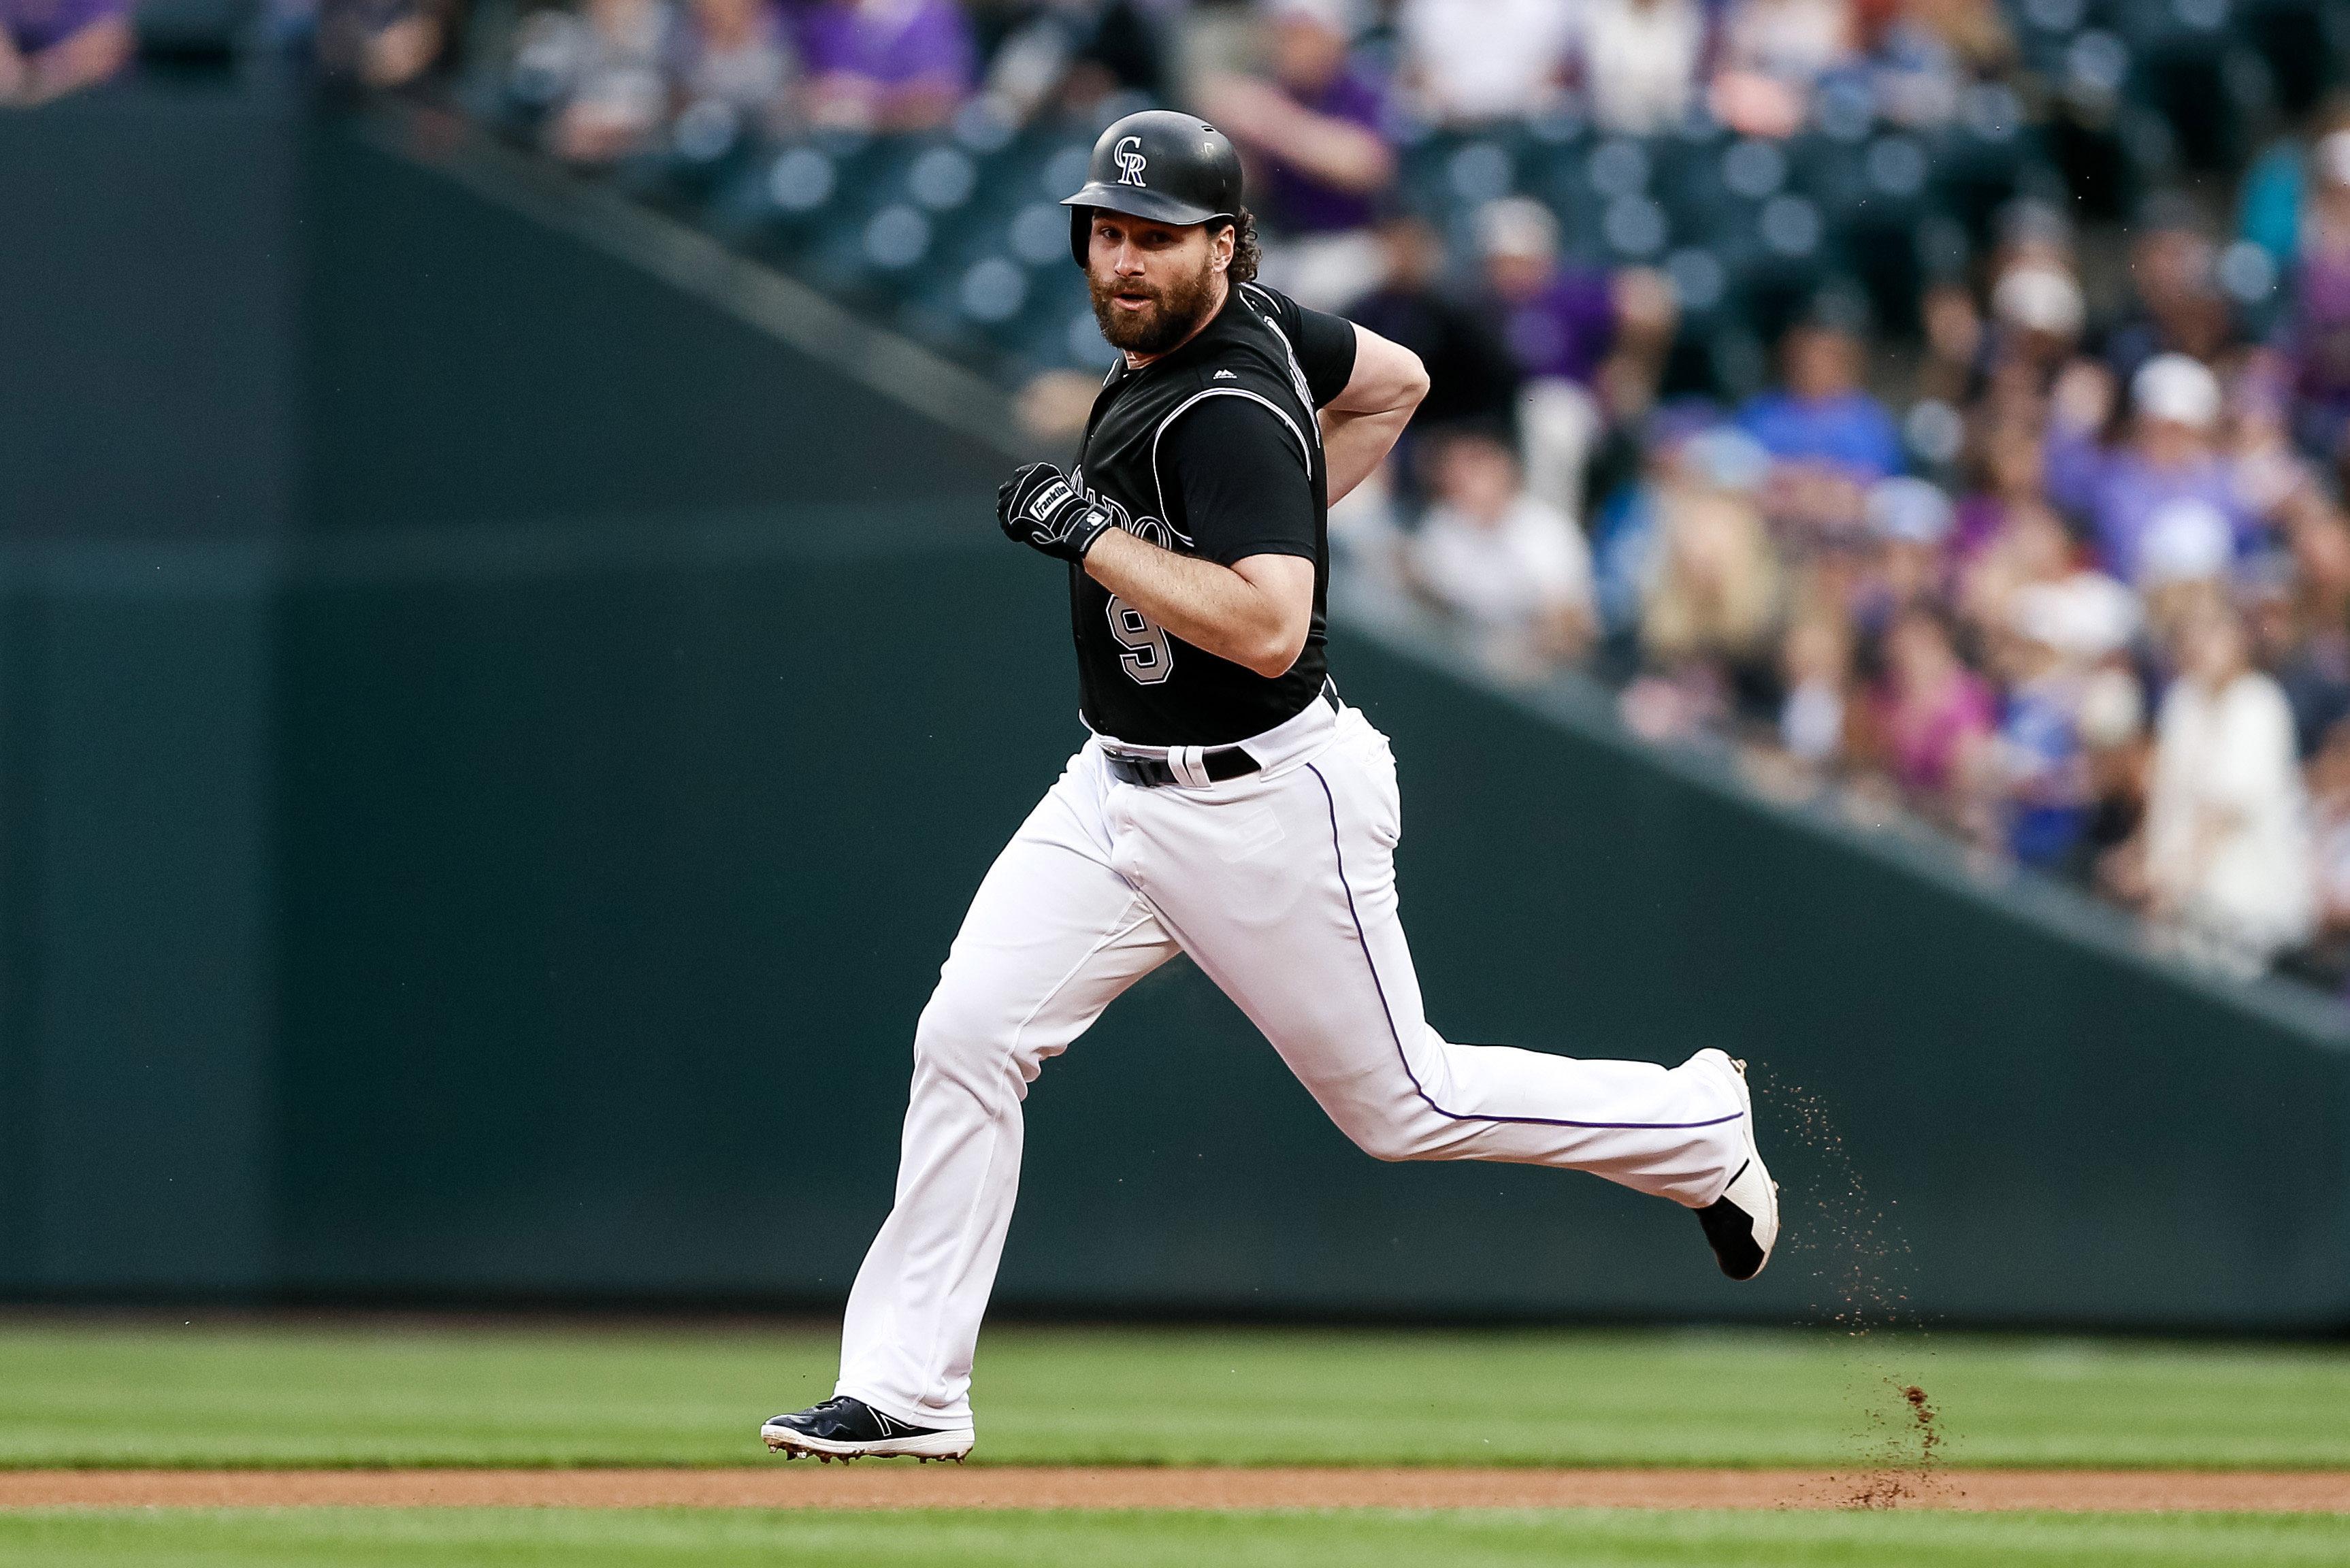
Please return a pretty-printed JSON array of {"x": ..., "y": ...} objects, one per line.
[{"x": 1152, "y": 284}]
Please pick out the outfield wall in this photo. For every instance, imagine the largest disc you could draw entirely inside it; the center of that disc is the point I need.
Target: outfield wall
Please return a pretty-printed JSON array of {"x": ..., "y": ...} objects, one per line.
[{"x": 505, "y": 858}]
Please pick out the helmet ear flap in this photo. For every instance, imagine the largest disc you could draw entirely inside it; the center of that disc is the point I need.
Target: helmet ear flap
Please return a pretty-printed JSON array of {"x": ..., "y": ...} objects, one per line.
[{"x": 1081, "y": 227}]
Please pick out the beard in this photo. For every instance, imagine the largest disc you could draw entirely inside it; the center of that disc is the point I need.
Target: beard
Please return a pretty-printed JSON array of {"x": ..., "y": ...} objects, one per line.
[{"x": 1176, "y": 309}]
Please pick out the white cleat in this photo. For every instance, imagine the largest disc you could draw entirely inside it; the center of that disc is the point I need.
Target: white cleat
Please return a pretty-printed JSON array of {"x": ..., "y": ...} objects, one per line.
[{"x": 1743, "y": 1224}]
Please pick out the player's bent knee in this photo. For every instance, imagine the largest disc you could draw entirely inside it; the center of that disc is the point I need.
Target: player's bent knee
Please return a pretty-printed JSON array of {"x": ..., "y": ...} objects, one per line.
[
  {"x": 955, "y": 1040},
  {"x": 1386, "y": 1140},
  {"x": 965, "y": 1040}
]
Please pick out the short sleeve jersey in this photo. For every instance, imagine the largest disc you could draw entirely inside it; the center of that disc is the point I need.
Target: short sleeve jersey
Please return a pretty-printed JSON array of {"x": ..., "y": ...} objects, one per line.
[{"x": 1211, "y": 450}]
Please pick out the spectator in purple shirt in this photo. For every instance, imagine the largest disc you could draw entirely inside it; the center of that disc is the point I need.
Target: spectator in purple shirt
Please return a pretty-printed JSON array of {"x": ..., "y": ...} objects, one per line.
[
  {"x": 1559, "y": 321},
  {"x": 887, "y": 65},
  {"x": 51, "y": 48},
  {"x": 2118, "y": 490},
  {"x": 1565, "y": 327},
  {"x": 1316, "y": 133},
  {"x": 2317, "y": 329},
  {"x": 1317, "y": 146}
]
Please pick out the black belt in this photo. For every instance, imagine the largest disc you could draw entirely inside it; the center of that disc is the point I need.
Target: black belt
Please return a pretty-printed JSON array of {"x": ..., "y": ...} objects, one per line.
[{"x": 1223, "y": 762}]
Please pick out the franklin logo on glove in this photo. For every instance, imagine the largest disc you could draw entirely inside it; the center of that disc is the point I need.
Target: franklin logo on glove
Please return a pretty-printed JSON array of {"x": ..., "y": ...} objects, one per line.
[
  {"x": 1038, "y": 507},
  {"x": 1041, "y": 509}
]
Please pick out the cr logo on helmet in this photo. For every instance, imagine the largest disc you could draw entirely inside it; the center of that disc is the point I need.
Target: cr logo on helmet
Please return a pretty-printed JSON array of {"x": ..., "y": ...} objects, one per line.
[{"x": 1130, "y": 164}]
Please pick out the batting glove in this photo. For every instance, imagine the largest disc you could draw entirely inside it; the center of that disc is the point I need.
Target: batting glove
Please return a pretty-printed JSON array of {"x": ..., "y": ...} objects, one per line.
[{"x": 1038, "y": 507}]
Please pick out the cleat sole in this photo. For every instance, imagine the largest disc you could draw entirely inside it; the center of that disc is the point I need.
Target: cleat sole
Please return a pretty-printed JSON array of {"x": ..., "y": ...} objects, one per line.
[{"x": 922, "y": 1446}]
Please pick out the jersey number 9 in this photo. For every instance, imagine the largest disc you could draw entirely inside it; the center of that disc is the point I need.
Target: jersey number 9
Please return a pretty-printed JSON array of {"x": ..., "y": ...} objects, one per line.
[{"x": 1148, "y": 658}]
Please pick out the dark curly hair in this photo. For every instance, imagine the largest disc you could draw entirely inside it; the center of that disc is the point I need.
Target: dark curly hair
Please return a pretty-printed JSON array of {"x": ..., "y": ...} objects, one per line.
[{"x": 1246, "y": 253}]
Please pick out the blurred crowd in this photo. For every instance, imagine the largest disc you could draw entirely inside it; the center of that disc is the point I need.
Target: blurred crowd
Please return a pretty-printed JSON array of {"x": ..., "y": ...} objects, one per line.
[
  {"x": 2067, "y": 573},
  {"x": 2059, "y": 561},
  {"x": 2085, "y": 603},
  {"x": 49, "y": 48},
  {"x": 1318, "y": 90}
]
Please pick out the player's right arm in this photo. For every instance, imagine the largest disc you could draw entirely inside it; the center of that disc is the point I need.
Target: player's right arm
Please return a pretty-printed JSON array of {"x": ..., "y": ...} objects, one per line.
[{"x": 1365, "y": 420}]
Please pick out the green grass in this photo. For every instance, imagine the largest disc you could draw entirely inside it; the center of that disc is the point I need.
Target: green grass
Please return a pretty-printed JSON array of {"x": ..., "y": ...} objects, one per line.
[
  {"x": 85, "y": 1395},
  {"x": 338, "y": 1539}
]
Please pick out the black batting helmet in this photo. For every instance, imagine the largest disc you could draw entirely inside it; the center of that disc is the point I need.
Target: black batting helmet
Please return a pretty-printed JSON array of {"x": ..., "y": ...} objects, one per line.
[{"x": 1160, "y": 165}]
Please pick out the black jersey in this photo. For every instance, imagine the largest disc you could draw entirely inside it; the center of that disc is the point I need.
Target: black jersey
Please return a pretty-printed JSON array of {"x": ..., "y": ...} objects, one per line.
[{"x": 1212, "y": 451}]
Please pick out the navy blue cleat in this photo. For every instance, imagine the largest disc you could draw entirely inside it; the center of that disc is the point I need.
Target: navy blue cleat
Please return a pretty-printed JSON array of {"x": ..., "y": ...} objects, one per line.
[{"x": 846, "y": 1428}]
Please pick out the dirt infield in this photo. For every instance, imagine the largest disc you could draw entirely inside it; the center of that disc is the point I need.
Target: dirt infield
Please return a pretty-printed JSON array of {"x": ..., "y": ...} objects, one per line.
[{"x": 878, "y": 1485}]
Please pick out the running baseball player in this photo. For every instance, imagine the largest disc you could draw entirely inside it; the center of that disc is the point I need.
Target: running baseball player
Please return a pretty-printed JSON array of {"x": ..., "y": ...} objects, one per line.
[{"x": 1227, "y": 805}]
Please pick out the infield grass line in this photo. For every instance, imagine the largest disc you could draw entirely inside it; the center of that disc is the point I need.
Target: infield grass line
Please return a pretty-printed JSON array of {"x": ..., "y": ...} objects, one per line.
[
  {"x": 541, "y": 1395},
  {"x": 537, "y": 1539}
]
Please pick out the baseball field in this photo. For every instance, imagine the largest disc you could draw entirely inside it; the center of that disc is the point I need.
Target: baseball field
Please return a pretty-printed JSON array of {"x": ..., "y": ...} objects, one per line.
[{"x": 398, "y": 1441}]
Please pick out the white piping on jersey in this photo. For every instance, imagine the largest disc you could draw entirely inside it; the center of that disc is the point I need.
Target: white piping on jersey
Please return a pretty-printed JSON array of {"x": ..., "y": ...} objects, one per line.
[
  {"x": 1119, "y": 513},
  {"x": 1160, "y": 433},
  {"x": 1296, "y": 371}
]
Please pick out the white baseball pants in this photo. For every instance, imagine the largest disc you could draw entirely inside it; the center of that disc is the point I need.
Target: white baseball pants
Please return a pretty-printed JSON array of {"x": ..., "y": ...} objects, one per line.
[{"x": 1281, "y": 887}]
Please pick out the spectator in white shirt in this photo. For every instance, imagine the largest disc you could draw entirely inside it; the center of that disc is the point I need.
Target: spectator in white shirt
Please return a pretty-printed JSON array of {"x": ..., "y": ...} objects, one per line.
[
  {"x": 1815, "y": 667},
  {"x": 2228, "y": 850},
  {"x": 606, "y": 71},
  {"x": 1514, "y": 569},
  {"x": 736, "y": 54},
  {"x": 2327, "y": 960},
  {"x": 1638, "y": 62},
  {"x": 1473, "y": 61}
]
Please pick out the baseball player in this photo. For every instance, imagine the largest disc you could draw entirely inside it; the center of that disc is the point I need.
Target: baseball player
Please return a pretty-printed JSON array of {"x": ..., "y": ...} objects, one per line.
[{"x": 1227, "y": 805}]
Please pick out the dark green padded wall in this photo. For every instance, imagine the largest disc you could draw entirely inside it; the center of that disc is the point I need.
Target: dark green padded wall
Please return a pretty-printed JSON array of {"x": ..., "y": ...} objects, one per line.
[
  {"x": 469, "y": 365},
  {"x": 619, "y": 903},
  {"x": 152, "y": 259},
  {"x": 151, "y": 265}
]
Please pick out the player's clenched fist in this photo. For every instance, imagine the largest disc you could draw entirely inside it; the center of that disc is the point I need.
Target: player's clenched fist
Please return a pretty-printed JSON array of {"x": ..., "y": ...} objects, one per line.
[{"x": 1040, "y": 508}]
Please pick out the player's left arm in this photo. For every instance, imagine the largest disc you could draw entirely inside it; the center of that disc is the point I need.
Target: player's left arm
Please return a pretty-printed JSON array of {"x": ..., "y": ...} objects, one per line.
[
  {"x": 1243, "y": 588},
  {"x": 1365, "y": 420}
]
